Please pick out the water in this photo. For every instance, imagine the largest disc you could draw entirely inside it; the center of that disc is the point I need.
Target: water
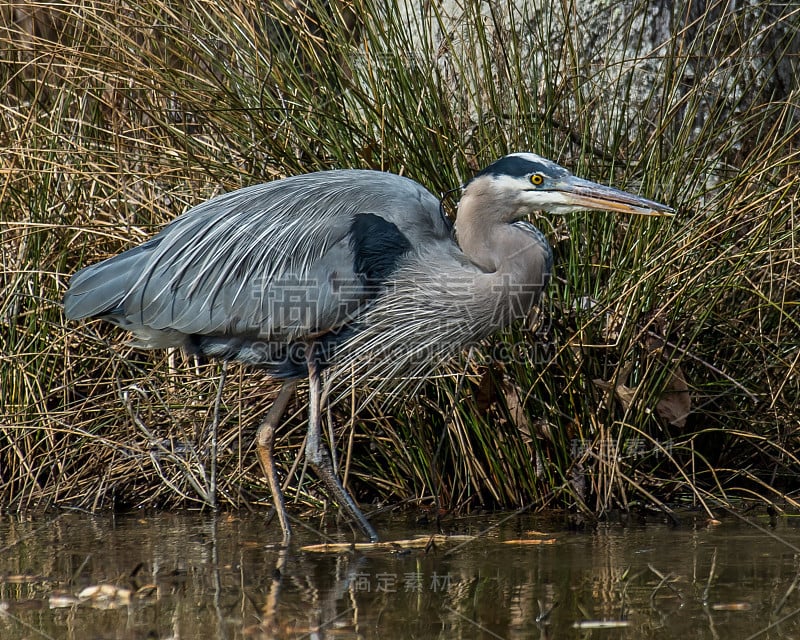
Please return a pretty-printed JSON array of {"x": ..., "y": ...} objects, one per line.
[{"x": 194, "y": 576}]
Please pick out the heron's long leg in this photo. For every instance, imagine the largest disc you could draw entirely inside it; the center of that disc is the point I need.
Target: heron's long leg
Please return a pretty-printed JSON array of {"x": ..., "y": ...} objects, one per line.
[
  {"x": 212, "y": 489},
  {"x": 316, "y": 455},
  {"x": 265, "y": 440}
]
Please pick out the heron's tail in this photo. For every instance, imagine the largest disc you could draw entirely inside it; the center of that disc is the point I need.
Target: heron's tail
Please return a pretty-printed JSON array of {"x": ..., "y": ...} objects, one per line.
[{"x": 99, "y": 289}]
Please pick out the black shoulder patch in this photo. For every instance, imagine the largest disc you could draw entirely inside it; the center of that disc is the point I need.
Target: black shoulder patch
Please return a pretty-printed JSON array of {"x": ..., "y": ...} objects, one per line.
[{"x": 377, "y": 246}]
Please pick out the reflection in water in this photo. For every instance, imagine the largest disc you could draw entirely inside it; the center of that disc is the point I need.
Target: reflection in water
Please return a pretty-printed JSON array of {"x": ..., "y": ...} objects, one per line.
[{"x": 194, "y": 576}]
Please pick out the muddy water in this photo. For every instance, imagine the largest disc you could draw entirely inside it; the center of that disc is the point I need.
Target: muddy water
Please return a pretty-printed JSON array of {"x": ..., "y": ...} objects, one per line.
[{"x": 194, "y": 576}]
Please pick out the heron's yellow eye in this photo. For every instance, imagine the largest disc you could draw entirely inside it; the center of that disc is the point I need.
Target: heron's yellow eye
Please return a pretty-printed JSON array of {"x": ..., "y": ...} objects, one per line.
[{"x": 537, "y": 179}]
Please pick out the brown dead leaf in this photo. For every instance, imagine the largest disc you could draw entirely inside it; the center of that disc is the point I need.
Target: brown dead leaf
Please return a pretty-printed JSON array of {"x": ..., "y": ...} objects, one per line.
[{"x": 674, "y": 405}]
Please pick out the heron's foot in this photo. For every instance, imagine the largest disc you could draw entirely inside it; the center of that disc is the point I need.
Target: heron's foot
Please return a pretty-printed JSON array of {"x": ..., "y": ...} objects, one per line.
[{"x": 322, "y": 465}]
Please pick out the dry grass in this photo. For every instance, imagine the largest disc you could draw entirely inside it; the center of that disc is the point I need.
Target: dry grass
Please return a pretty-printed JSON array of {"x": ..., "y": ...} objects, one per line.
[{"x": 117, "y": 116}]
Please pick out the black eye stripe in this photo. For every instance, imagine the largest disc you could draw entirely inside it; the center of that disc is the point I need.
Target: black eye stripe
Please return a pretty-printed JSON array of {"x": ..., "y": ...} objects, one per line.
[
  {"x": 521, "y": 166},
  {"x": 513, "y": 166}
]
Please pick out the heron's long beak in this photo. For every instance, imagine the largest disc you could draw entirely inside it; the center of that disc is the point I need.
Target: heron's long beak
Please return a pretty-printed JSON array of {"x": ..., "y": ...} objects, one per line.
[{"x": 584, "y": 194}]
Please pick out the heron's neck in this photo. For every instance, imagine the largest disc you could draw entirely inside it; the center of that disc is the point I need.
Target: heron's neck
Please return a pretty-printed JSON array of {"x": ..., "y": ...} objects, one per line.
[
  {"x": 476, "y": 236},
  {"x": 515, "y": 258},
  {"x": 499, "y": 247}
]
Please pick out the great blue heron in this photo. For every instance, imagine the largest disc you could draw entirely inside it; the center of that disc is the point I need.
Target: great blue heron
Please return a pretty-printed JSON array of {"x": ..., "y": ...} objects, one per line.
[{"x": 352, "y": 270}]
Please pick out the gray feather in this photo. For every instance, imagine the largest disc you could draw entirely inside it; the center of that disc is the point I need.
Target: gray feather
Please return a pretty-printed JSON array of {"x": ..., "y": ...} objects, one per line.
[{"x": 237, "y": 265}]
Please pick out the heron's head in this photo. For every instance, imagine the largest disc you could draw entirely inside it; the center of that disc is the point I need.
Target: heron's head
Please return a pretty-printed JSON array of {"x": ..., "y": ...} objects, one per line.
[{"x": 520, "y": 183}]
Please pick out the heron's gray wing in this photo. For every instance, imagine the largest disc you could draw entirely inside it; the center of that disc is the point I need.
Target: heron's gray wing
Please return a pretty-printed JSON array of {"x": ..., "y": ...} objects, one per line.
[{"x": 275, "y": 259}]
